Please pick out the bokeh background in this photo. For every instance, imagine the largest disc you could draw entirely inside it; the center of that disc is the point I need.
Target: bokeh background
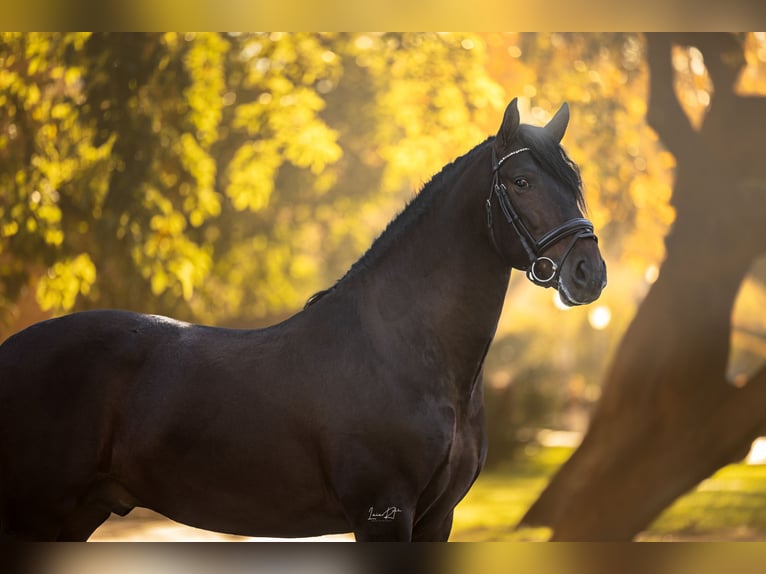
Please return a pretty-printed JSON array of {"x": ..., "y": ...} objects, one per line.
[{"x": 225, "y": 177}]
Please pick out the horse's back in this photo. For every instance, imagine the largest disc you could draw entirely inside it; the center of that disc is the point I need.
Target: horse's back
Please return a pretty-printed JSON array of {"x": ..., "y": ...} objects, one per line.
[{"x": 52, "y": 363}]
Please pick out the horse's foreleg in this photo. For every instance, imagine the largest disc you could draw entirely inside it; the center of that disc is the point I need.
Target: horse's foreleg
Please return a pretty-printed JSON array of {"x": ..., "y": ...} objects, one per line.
[
  {"x": 377, "y": 490},
  {"x": 383, "y": 523},
  {"x": 433, "y": 528},
  {"x": 83, "y": 522},
  {"x": 103, "y": 498},
  {"x": 378, "y": 509}
]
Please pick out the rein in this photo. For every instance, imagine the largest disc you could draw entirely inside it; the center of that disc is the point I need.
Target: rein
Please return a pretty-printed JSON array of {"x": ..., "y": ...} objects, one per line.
[{"x": 577, "y": 228}]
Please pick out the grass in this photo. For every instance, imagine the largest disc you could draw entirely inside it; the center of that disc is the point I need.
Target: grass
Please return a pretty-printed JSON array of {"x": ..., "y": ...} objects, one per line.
[
  {"x": 730, "y": 505},
  {"x": 500, "y": 497}
]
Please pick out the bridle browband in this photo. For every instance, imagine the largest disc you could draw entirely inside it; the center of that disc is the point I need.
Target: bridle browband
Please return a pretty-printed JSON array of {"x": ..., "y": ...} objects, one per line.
[{"x": 577, "y": 228}]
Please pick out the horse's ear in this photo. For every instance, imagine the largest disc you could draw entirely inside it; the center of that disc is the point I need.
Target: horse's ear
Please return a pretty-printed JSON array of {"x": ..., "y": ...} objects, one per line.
[
  {"x": 558, "y": 124},
  {"x": 510, "y": 124}
]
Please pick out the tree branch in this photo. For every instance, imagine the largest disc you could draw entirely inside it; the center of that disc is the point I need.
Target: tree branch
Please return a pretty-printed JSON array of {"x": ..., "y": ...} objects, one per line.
[
  {"x": 747, "y": 407},
  {"x": 724, "y": 55},
  {"x": 664, "y": 113}
]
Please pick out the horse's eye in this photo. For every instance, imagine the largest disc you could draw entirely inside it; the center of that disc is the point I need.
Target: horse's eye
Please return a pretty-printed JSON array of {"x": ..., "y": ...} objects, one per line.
[{"x": 521, "y": 183}]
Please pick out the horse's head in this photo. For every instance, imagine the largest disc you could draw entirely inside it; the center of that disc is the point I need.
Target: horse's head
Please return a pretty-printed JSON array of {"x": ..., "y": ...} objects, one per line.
[{"x": 534, "y": 209}]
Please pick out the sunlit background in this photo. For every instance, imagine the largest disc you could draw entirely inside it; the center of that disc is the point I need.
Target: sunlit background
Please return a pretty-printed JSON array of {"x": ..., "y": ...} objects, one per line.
[{"x": 224, "y": 178}]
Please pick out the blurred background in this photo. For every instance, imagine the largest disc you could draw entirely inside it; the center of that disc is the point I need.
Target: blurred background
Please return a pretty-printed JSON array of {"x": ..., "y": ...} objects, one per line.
[{"x": 224, "y": 178}]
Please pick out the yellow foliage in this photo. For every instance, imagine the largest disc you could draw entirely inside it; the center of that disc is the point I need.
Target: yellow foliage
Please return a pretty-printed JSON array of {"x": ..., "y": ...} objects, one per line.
[
  {"x": 65, "y": 280},
  {"x": 252, "y": 172},
  {"x": 314, "y": 147},
  {"x": 9, "y": 229},
  {"x": 204, "y": 60}
]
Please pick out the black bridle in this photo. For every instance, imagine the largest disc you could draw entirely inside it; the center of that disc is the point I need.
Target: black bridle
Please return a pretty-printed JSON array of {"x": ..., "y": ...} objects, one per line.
[{"x": 577, "y": 228}]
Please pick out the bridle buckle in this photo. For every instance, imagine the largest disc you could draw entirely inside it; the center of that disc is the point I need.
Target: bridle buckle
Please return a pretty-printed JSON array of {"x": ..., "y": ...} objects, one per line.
[{"x": 533, "y": 275}]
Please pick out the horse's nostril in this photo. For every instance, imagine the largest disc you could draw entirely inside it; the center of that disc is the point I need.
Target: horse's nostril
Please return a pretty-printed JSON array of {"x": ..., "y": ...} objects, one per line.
[{"x": 581, "y": 272}]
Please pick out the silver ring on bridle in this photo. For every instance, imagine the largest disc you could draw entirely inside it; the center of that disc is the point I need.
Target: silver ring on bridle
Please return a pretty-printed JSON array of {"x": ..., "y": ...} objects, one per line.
[{"x": 577, "y": 228}]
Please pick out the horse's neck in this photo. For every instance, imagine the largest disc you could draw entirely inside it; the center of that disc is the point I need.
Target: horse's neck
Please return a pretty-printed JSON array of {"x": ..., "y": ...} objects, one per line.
[{"x": 441, "y": 280}]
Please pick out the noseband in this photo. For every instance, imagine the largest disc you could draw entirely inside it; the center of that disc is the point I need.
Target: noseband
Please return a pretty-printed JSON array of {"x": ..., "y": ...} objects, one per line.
[{"x": 577, "y": 228}]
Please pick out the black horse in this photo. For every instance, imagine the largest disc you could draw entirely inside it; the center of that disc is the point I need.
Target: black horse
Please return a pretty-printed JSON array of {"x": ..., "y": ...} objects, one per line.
[{"x": 362, "y": 413}]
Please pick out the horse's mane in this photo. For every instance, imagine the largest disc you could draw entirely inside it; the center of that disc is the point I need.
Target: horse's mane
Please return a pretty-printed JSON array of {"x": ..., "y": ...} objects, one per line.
[{"x": 406, "y": 218}]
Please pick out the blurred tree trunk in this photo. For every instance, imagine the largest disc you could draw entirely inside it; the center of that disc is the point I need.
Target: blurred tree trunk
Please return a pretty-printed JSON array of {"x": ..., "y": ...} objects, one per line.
[{"x": 668, "y": 417}]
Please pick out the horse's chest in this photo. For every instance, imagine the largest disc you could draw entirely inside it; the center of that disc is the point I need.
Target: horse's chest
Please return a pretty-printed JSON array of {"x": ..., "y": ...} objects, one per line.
[
  {"x": 465, "y": 457},
  {"x": 468, "y": 450}
]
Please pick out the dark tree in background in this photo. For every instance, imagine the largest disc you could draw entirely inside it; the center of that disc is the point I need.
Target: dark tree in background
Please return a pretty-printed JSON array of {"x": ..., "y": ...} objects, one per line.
[{"x": 668, "y": 417}]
